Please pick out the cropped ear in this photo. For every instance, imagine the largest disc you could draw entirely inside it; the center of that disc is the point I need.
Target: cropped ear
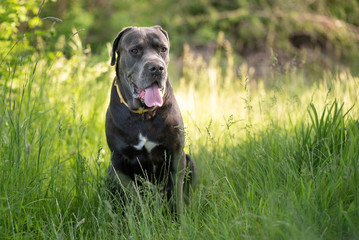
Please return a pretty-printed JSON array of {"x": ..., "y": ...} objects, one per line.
[
  {"x": 115, "y": 44},
  {"x": 163, "y": 31}
]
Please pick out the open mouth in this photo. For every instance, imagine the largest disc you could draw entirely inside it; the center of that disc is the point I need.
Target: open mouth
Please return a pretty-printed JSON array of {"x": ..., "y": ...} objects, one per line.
[
  {"x": 137, "y": 93},
  {"x": 151, "y": 96}
]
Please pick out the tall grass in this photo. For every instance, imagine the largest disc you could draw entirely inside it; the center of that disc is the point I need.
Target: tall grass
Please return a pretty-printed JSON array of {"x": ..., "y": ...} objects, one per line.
[{"x": 278, "y": 157}]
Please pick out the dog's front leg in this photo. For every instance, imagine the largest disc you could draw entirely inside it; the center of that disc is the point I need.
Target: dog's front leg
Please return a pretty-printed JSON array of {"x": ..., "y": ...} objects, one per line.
[{"x": 178, "y": 183}]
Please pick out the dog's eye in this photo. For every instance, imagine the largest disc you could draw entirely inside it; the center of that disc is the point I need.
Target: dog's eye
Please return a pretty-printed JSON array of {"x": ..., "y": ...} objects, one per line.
[
  {"x": 163, "y": 49},
  {"x": 134, "y": 51}
]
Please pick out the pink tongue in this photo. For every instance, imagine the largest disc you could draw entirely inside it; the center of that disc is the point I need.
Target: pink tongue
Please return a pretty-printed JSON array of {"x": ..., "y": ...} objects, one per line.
[{"x": 153, "y": 96}]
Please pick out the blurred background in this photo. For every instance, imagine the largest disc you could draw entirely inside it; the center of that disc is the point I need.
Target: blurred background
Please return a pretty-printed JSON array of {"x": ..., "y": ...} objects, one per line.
[{"x": 267, "y": 35}]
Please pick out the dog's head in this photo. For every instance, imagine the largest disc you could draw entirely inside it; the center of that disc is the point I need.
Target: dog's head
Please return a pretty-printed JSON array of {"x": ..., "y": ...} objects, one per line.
[{"x": 141, "y": 63}]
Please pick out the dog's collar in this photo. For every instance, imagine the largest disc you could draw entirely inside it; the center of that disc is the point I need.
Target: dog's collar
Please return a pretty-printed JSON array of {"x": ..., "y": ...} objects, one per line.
[{"x": 139, "y": 111}]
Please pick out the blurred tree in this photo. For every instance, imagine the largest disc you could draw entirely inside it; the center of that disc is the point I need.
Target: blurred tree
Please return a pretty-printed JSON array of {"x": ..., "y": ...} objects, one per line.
[
  {"x": 289, "y": 28},
  {"x": 18, "y": 19}
]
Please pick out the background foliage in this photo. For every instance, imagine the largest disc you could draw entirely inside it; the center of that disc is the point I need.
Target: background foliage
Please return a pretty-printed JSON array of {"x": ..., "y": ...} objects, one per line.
[{"x": 305, "y": 33}]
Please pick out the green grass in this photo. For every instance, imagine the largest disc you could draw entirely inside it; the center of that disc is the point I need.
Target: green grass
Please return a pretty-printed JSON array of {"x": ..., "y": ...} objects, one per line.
[{"x": 278, "y": 158}]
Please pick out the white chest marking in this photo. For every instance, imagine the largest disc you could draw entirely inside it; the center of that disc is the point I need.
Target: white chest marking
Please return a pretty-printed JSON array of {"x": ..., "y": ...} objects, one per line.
[{"x": 144, "y": 142}]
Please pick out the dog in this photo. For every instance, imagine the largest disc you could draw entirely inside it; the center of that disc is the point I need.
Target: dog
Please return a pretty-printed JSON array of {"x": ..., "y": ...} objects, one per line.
[{"x": 144, "y": 126}]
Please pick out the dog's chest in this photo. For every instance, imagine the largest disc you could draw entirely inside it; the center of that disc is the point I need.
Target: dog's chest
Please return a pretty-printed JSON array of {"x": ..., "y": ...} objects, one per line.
[
  {"x": 145, "y": 154},
  {"x": 145, "y": 143}
]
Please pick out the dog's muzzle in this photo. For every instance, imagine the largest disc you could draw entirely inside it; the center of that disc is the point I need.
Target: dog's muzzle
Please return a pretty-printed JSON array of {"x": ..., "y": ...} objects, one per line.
[{"x": 151, "y": 96}]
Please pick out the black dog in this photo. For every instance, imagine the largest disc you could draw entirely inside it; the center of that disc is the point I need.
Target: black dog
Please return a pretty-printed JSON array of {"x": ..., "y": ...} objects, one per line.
[{"x": 144, "y": 126}]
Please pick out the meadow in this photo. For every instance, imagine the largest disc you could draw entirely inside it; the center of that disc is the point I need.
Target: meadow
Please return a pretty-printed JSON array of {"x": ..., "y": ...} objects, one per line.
[{"x": 277, "y": 157}]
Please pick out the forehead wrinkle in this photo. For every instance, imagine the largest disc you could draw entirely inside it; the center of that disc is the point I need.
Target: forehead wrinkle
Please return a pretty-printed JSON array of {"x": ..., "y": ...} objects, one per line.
[
  {"x": 155, "y": 40},
  {"x": 134, "y": 38},
  {"x": 141, "y": 37}
]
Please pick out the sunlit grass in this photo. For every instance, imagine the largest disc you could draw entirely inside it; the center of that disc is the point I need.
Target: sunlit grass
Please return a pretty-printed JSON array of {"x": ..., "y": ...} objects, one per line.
[{"x": 277, "y": 157}]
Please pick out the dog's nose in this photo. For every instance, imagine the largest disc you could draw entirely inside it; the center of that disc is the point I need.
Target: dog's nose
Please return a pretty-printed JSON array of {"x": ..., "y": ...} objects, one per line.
[{"x": 155, "y": 68}]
